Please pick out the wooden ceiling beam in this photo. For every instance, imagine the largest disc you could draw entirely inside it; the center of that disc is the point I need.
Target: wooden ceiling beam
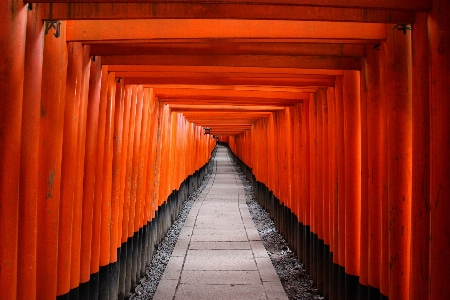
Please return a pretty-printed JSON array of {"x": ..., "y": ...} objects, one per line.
[
  {"x": 156, "y": 7},
  {"x": 232, "y": 71},
  {"x": 221, "y": 47},
  {"x": 108, "y": 30},
  {"x": 267, "y": 61},
  {"x": 294, "y": 82}
]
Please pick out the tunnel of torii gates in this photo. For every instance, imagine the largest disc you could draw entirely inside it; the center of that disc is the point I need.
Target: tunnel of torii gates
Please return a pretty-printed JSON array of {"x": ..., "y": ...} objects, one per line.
[{"x": 337, "y": 111}]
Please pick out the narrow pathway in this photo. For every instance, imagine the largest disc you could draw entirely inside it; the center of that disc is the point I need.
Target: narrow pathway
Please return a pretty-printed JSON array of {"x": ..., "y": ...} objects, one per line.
[{"x": 219, "y": 254}]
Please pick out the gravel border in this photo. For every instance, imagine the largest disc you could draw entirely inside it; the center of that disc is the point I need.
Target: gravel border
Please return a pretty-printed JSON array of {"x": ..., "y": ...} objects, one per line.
[
  {"x": 296, "y": 282},
  {"x": 154, "y": 271}
]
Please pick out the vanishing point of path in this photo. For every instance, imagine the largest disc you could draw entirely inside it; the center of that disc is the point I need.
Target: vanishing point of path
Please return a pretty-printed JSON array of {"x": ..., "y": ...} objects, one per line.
[{"x": 219, "y": 254}]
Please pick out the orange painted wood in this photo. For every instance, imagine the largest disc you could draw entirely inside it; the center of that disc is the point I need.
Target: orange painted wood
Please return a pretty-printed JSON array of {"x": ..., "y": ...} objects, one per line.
[
  {"x": 232, "y": 71},
  {"x": 379, "y": 4},
  {"x": 271, "y": 61},
  {"x": 375, "y": 150},
  {"x": 124, "y": 177},
  {"x": 352, "y": 147},
  {"x": 440, "y": 209},
  {"x": 61, "y": 11},
  {"x": 89, "y": 168},
  {"x": 364, "y": 235},
  {"x": 333, "y": 174},
  {"x": 420, "y": 201},
  {"x": 68, "y": 164},
  {"x": 75, "y": 275},
  {"x": 117, "y": 171},
  {"x": 14, "y": 15},
  {"x": 384, "y": 274},
  {"x": 399, "y": 95},
  {"x": 313, "y": 170},
  {"x": 227, "y": 81},
  {"x": 341, "y": 168},
  {"x": 99, "y": 175},
  {"x": 140, "y": 163},
  {"x": 134, "y": 201},
  {"x": 306, "y": 192},
  {"x": 53, "y": 95},
  {"x": 146, "y": 204},
  {"x": 327, "y": 216},
  {"x": 225, "y": 47},
  {"x": 29, "y": 160},
  {"x": 106, "y": 206},
  {"x": 127, "y": 229},
  {"x": 90, "y": 30},
  {"x": 298, "y": 179},
  {"x": 319, "y": 186}
]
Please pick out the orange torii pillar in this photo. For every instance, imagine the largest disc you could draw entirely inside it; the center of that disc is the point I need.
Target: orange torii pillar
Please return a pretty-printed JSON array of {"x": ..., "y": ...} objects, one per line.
[
  {"x": 364, "y": 218},
  {"x": 53, "y": 95},
  {"x": 352, "y": 147},
  {"x": 68, "y": 165},
  {"x": 397, "y": 55},
  {"x": 306, "y": 191},
  {"x": 333, "y": 191},
  {"x": 374, "y": 198},
  {"x": 12, "y": 47},
  {"x": 75, "y": 276},
  {"x": 105, "y": 223},
  {"x": 313, "y": 183},
  {"x": 341, "y": 186},
  {"x": 29, "y": 158},
  {"x": 420, "y": 202},
  {"x": 90, "y": 160},
  {"x": 439, "y": 36}
]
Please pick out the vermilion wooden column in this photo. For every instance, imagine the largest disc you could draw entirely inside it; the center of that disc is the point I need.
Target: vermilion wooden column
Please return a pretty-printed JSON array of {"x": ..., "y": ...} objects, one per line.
[
  {"x": 325, "y": 167},
  {"x": 14, "y": 19},
  {"x": 332, "y": 174},
  {"x": 117, "y": 189},
  {"x": 123, "y": 206},
  {"x": 341, "y": 168},
  {"x": 384, "y": 170},
  {"x": 398, "y": 93},
  {"x": 364, "y": 235},
  {"x": 352, "y": 147},
  {"x": 374, "y": 122},
  {"x": 75, "y": 278},
  {"x": 129, "y": 165},
  {"x": 313, "y": 160},
  {"x": 320, "y": 221},
  {"x": 50, "y": 154},
  {"x": 297, "y": 196},
  {"x": 306, "y": 161},
  {"x": 105, "y": 231},
  {"x": 89, "y": 171},
  {"x": 68, "y": 165},
  {"x": 439, "y": 36},
  {"x": 98, "y": 188},
  {"x": 29, "y": 158},
  {"x": 144, "y": 169},
  {"x": 420, "y": 203}
]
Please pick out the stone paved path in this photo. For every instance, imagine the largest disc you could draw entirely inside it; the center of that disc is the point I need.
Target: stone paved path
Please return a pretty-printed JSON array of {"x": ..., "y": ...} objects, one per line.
[{"x": 219, "y": 254}]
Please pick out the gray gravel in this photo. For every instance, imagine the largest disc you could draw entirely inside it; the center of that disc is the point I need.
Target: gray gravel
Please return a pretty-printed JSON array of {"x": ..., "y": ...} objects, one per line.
[{"x": 297, "y": 284}]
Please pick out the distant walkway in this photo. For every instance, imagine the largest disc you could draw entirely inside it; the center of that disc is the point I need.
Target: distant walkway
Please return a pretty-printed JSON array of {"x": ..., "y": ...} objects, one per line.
[{"x": 219, "y": 254}]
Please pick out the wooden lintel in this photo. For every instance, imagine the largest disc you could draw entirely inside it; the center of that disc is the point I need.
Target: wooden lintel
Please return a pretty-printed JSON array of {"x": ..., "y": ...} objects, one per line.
[
  {"x": 295, "y": 82},
  {"x": 224, "y": 47},
  {"x": 267, "y": 61},
  {"x": 364, "y": 11},
  {"x": 91, "y": 30}
]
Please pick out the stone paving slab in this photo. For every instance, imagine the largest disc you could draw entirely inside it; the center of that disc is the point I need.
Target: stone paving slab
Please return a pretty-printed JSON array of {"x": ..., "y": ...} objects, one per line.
[{"x": 219, "y": 254}]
